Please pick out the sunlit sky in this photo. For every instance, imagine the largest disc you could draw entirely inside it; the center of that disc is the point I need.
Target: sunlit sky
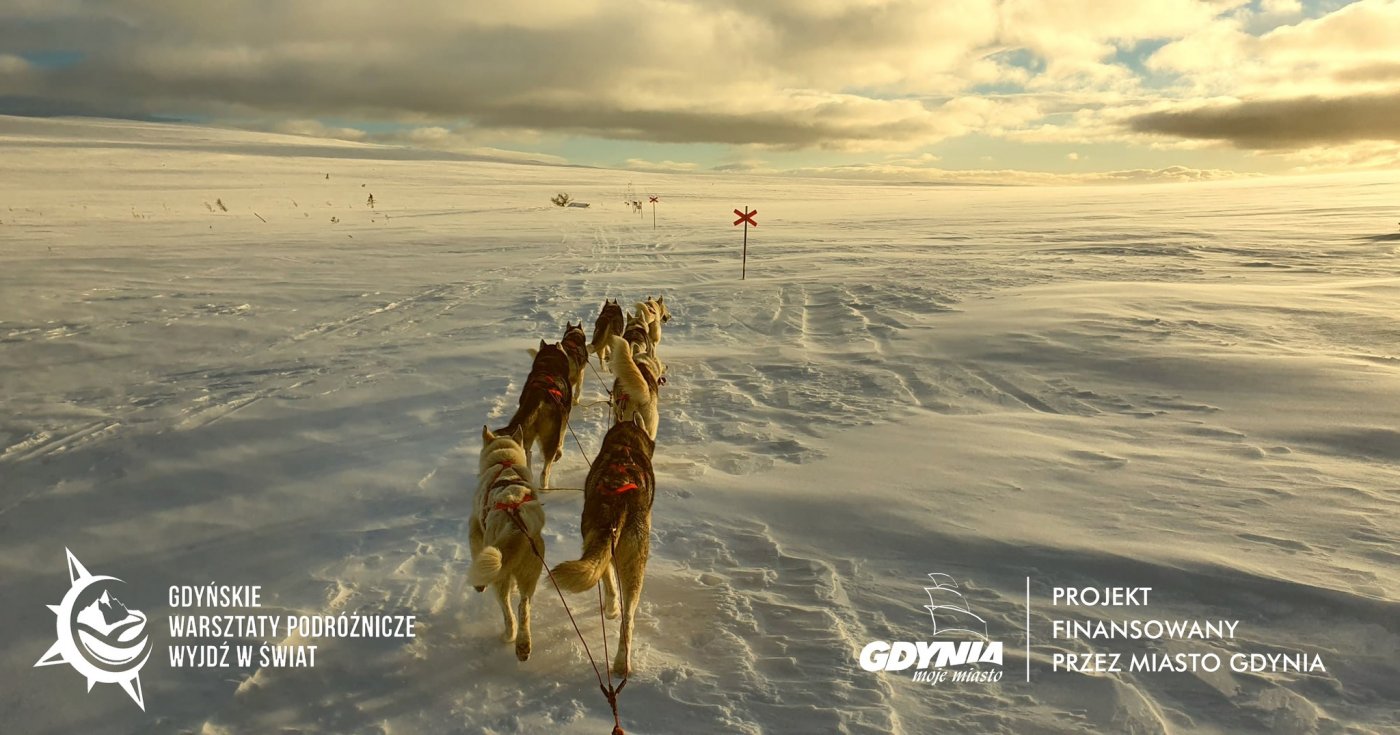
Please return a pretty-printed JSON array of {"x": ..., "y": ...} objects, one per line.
[{"x": 962, "y": 90}]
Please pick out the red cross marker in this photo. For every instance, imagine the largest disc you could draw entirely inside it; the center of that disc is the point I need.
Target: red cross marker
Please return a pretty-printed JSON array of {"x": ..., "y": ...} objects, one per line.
[{"x": 746, "y": 217}]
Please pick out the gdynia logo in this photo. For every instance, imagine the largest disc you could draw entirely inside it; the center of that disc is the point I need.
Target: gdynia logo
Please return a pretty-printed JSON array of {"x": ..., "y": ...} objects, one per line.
[
  {"x": 952, "y": 617},
  {"x": 97, "y": 635}
]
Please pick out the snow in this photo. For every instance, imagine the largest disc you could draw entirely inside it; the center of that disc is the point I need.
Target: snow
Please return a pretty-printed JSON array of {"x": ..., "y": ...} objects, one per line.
[{"x": 1189, "y": 387}]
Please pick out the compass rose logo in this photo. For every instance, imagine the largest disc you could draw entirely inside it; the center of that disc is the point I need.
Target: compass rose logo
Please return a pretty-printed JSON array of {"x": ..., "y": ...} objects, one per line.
[{"x": 97, "y": 635}]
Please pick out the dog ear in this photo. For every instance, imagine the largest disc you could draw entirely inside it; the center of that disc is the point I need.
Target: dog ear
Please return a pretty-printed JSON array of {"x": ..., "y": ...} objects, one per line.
[
  {"x": 542, "y": 345},
  {"x": 486, "y": 436},
  {"x": 660, "y": 299},
  {"x": 518, "y": 434},
  {"x": 637, "y": 421}
]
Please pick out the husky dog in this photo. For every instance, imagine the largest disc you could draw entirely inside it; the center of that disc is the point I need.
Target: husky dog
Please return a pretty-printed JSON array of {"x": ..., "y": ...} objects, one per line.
[
  {"x": 616, "y": 528},
  {"x": 609, "y": 323},
  {"x": 501, "y": 554},
  {"x": 638, "y": 336},
  {"x": 653, "y": 313},
  {"x": 544, "y": 407},
  {"x": 637, "y": 390},
  {"x": 575, "y": 345}
]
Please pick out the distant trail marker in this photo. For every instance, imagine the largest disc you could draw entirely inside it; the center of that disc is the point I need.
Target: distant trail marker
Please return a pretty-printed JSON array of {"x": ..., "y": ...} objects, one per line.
[
  {"x": 747, "y": 218},
  {"x": 653, "y": 211}
]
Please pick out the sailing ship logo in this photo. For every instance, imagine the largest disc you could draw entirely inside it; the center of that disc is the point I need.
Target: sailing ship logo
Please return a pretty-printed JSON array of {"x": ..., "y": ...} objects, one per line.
[
  {"x": 97, "y": 635},
  {"x": 950, "y": 611}
]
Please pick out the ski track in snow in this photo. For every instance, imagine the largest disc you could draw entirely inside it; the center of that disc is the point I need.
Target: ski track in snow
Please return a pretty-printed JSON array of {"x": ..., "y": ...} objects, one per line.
[{"x": 889, "y": 394}]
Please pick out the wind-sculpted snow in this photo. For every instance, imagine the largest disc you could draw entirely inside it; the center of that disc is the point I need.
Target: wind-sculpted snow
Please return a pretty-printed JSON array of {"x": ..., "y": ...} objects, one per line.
[{"x": 1190, "y": 387}]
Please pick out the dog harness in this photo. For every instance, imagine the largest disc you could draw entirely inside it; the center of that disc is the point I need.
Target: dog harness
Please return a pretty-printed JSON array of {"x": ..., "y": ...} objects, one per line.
[
  {"x": 499, "y": 482},
  {"x": 501, "y": 466},
  {"x": 549, "y": 384},
  {"x": 513, "y": 507},
  {"x": 626, "y": 487},
  {"x": 622, "y": 469}
]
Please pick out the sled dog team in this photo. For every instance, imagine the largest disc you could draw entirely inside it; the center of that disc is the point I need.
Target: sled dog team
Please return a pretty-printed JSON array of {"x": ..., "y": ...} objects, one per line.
[{"x": 507, "y": 518}]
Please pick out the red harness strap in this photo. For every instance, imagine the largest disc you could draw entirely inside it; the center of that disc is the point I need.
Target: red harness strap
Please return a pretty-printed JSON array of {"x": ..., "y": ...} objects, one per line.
[
  {"x": 496, "y": 482},
  {"x": 550, "y": 385},
  {"x": 624, "y": 488},
  {"x": 502, "y": 466},
  {"x": 512, "y": 507},
  {"x": 621, "y": 469}
]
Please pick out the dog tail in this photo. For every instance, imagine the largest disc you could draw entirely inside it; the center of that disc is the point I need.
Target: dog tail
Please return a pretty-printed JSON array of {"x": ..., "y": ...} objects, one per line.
[
  {"x": 584, "y": 572},
  {"x": 533, "y": 351},
  {"x": 628, "y": 375},
  {"x": 485, "y": 567}
]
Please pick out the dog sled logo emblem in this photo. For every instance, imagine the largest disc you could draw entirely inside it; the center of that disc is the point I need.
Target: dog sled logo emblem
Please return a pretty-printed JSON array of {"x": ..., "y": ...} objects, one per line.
[
  {"x": 966, "y": 654},
  {"x": 97, "y": 635}
]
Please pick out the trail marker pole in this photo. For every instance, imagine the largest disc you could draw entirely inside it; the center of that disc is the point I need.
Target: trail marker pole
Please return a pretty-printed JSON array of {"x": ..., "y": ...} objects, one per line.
[
  {"x": 653, "y": 211},
  {"x": 746, "y": 217}
]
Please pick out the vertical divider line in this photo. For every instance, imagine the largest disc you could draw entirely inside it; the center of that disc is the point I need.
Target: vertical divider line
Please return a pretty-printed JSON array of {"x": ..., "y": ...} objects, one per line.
[{"x": 1028, "y": 629}]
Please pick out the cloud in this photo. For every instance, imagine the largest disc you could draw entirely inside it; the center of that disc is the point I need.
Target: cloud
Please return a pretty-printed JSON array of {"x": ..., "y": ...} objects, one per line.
[
  {"x": 1352, "y": 156},
  {"x": 12, "y": 66},
  {"x": 1284, "y": 123},
  {"x": 752, "y": 165},
  {"x": 847, "y": 76},
  {"x": 779, "y": 75},
  {"x": 1233, "y": 55},
  {"x": 935, "y": 176},
  {"x": 317, "y": 129},
  {"x": 639, "y": 164}
]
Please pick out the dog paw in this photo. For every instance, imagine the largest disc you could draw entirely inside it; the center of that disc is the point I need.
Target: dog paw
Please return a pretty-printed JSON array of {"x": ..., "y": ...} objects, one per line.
[
  {"x": 622, "y": 668},
  {"x": 613, "y": 611},
  {"x": 522, "y": 651},
  {"x": 508, "y": 635}
]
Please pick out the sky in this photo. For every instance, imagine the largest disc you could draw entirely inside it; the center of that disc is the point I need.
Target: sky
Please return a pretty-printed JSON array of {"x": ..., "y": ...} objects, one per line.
[{"x": 1015, "y": 91}]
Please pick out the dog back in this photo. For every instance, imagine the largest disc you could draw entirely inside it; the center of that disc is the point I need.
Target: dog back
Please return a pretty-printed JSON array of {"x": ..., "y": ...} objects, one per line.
[
  {"x": 549, "y": 376},
  {"x": 637, "y": 335},
  {"x": 621, "y": 484},
  {"x": 547, "y": 385}
]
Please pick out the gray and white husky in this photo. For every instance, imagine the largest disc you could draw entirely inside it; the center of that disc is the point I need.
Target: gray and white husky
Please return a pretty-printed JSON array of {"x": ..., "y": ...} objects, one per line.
[
  {"x": 653, "y": 313},
  {"x": 501, "y": 554}
]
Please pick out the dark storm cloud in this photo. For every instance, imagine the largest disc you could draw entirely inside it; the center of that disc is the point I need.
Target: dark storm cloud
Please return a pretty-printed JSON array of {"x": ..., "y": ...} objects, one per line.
[
  {"x": 673, "y": 72},
  {"x": 1287, "y": 123}
]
